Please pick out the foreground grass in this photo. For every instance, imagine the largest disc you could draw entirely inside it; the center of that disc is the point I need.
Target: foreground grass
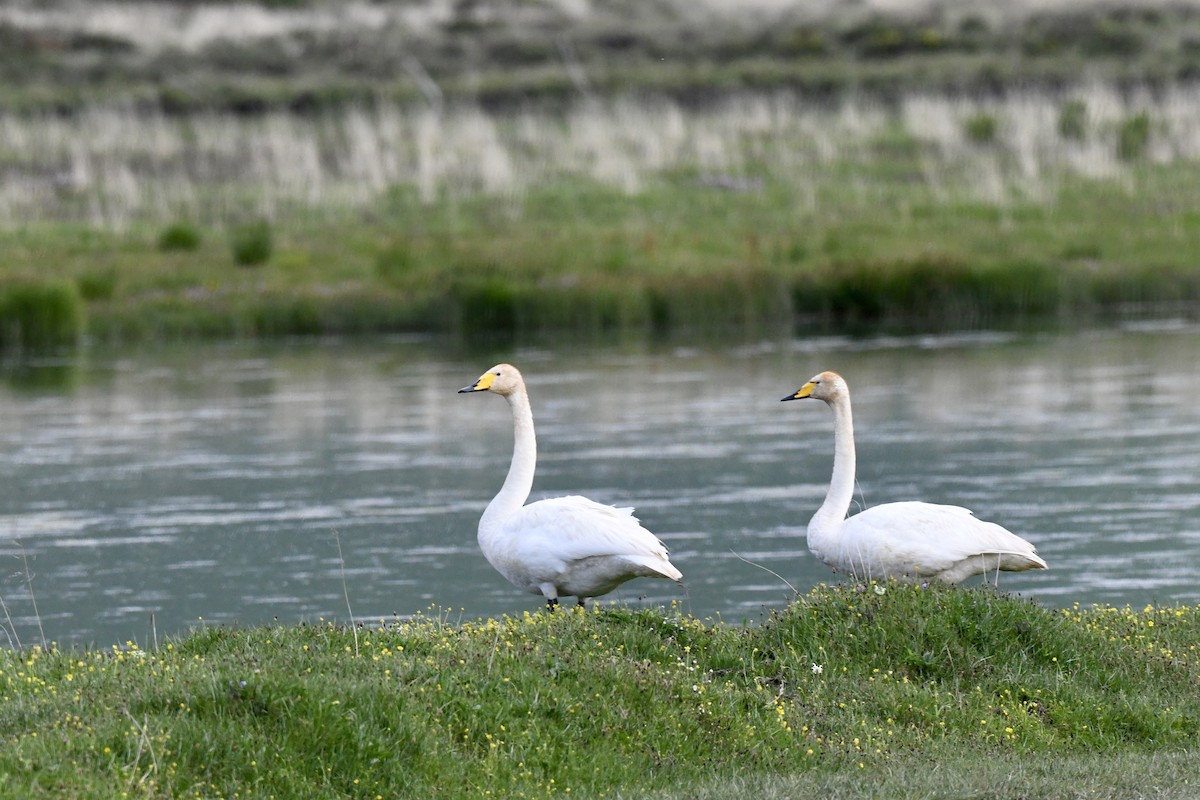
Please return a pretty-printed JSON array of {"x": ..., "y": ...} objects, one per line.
[
  {"x": 1119, "y": 776},
  {"x": 944, "y": 691}
]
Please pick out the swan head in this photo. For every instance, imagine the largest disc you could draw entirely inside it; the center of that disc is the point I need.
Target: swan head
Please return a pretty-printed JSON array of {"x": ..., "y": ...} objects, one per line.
[
  {"x": 828, "y": 386},
  {"x": 502, "y": 379}
]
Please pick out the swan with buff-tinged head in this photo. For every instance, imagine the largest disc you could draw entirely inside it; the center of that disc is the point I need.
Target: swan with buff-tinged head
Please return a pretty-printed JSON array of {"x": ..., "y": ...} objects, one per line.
[
  {"x": 900, "y": 540},
  {"x": 564, "y": 546}
]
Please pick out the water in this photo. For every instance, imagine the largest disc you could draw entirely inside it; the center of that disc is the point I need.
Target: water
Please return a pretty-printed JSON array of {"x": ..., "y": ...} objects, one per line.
[{"x": 142, "y": 494}]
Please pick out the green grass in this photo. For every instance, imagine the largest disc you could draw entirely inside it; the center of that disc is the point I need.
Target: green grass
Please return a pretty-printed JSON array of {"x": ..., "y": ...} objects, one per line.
[
  {"x": 585, "y": 260},
  {"x": 931, "y": 691},
  {"x": 39, "y": 315},
  {"x": 179, "y": 236},
  {"x": 252, "y": 243},
  {"x": 1133, "y": 137},
  {"x": 1111, "y": 776}
]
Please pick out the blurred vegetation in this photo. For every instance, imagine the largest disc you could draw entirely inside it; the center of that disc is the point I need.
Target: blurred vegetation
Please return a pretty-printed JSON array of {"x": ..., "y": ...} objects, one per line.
[
  {"x": 510, "y": 52},
  {"x": 1133, "y": 137},
  {"x": 179, "y": 236},
  {"x": 252, "y": 243},
  {"x": 40, "y": 315},
  {"x": 981, "y": 128},
  {"x": 393, "y": 221},
  {"x": 1073, "y": 120},
  {"x": 677, "y": 259}
]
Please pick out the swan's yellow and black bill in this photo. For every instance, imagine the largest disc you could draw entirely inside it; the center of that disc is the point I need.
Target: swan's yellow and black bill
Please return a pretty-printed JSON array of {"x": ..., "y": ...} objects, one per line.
[
  {"x": 804, "y": 391},
  {"x": 482, "y": 385}
]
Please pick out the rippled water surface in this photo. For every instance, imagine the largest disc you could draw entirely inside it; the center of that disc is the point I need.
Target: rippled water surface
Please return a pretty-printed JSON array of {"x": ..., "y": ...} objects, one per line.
[{"x": 145, "y": 493}]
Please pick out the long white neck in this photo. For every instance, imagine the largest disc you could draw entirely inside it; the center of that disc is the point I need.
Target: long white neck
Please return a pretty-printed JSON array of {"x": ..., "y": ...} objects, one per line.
[
  {"x": 519, "y": 482},
  {"x": 841, "y": 487}
]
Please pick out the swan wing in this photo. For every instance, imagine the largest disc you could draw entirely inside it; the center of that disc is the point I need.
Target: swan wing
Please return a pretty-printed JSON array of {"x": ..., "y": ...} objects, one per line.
[
  {"x": 581, "y": 528},
  {"x": 918, "y": 538},
  {"x": 550, "y": 536}
]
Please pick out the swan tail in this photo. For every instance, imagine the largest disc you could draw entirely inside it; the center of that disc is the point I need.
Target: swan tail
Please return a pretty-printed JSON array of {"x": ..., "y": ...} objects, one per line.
[
  {"x": 1031, "y": 560},
  {"x": 657, "y": 567},
  {"x": 989, "y": 562}
]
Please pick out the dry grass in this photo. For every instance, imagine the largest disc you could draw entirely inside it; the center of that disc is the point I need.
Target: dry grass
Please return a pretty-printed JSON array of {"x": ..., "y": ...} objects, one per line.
[
  {"x": 157, "y": 26},
  {"x": 115, "y": 167}
]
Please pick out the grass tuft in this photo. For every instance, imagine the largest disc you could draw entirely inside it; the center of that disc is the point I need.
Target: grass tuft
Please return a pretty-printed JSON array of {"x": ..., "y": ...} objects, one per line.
[
  {"x": 179, "y": 236},
  {"x": 1073, "y": 120},
  {"x": 40, "y": 315},
  {"x": 252, "y": 243},
  {"x": 981, "y": 128},
  {"x": 1133, "y": 137},
  {"x": 98, "y": 283}
]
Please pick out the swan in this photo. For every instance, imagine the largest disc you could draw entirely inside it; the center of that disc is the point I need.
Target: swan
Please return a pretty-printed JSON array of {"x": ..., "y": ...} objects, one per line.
[
  {"x": 900, "y": 540},
  {"x": 564, "y": 545}
]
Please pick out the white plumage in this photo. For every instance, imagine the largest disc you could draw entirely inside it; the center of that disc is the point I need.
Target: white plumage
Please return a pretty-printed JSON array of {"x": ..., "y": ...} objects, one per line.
[
  {"x": 901, "y": 540},
  {"x": 564, "y": 546}
]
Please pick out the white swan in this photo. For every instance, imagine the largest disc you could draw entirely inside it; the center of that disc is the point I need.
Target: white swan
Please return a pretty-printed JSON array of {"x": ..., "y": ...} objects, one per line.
[
  {"x": 565, "y": 545},
  {"x": 901, "y": 540}
]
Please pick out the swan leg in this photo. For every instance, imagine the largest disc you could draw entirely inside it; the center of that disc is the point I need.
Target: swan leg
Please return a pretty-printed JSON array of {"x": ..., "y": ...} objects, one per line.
[
  {"x": 550, "y": 592},
  {"x": 581, "y": 603}
]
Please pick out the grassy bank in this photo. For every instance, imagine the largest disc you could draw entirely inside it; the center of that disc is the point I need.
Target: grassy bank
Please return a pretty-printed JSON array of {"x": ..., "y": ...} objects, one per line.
[
  {"x": 844, "y": 689},
  {"x": 586, "y": 260},
  {"x": 959, "y": 173}
]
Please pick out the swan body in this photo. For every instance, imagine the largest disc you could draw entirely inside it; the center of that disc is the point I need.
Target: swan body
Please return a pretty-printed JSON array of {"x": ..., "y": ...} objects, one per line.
[
  {"x": 563, "y": 546},
  {"x": 900, "y": 540}
]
